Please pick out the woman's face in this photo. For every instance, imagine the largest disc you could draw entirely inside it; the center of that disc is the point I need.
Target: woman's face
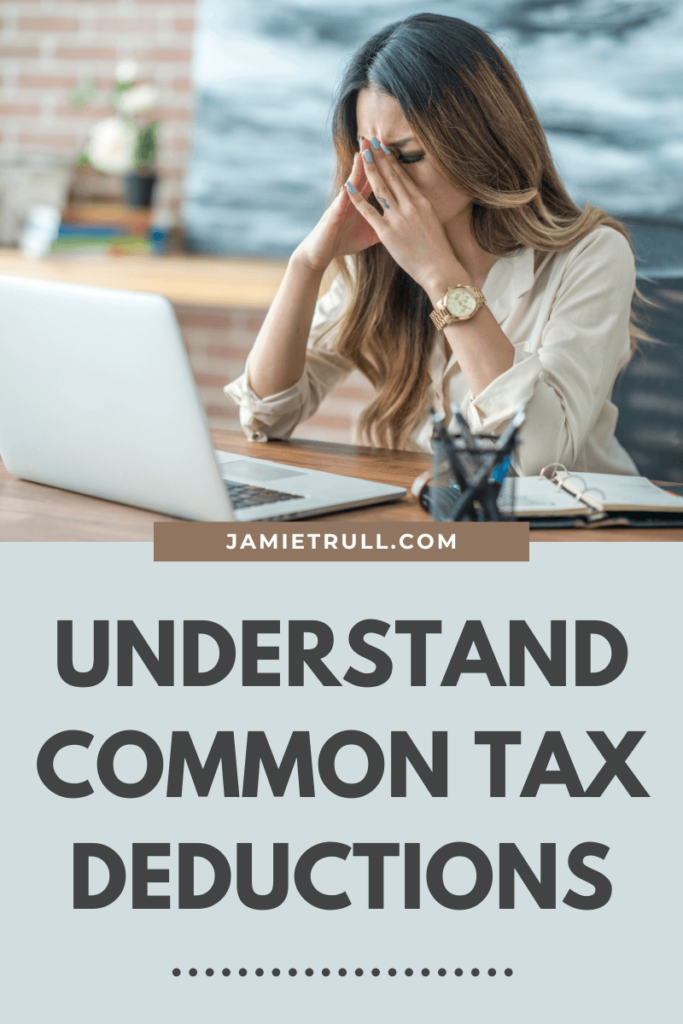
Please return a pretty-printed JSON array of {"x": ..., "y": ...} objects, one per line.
[{"x": 380, "y": 115}]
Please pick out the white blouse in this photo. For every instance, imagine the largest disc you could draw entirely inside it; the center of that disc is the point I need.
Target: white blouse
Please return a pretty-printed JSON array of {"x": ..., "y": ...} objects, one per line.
[{"x": 568, "y": 321}]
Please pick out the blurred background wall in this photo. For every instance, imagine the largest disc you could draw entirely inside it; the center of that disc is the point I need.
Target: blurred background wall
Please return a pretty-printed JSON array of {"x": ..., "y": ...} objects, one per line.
[
  {"x": 49, "y": 47},
  {"x": 606, "y": 77}
]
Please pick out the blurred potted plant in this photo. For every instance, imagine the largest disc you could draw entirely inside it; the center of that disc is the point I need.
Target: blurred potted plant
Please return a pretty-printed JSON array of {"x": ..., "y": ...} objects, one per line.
[{"x": 125, "y": 143}]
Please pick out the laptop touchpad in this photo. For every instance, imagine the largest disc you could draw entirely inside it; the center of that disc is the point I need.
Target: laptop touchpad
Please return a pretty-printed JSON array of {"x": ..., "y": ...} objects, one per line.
[{"x": 257, "y": 472}]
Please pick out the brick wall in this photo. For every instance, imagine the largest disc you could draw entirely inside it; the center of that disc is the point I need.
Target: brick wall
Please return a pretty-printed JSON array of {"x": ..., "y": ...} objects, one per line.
[
  {"x": 218, "y": 342},
  {"x": 49, "y": 46}
]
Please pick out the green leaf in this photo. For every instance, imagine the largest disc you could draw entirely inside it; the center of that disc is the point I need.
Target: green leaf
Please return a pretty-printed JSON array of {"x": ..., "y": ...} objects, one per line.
[
  {"x": 119, "y": 87},
  {"x": 146, "y": 148},
  {"x": 82, "y": 94}
]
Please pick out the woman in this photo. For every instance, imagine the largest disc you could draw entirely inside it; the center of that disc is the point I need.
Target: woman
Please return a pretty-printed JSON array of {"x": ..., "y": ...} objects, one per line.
[{"x": 465, "y": 273}]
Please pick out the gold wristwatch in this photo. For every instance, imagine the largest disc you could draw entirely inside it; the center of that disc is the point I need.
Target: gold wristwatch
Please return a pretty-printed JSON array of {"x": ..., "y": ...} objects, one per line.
[{"x": 459, "y": 303}]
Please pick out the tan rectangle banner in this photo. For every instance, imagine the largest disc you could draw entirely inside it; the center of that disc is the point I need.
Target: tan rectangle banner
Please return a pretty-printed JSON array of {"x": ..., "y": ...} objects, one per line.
[{"x": 314, "y": 541}]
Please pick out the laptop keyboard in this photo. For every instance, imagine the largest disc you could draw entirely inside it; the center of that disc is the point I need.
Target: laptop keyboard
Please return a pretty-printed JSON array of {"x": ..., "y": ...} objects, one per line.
[{"x": 246, "y": 495}]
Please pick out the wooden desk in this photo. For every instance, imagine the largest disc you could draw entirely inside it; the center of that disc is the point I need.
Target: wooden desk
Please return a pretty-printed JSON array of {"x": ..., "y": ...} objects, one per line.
[
  {"x": 36, "y": 513},
  {"x": 224, "y": 282}
]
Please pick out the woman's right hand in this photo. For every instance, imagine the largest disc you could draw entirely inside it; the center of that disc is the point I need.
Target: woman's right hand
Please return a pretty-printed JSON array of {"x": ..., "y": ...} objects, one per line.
[{"x": 341, "y": 231}]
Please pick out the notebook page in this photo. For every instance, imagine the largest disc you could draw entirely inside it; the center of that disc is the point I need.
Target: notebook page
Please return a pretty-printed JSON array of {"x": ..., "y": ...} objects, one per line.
[
  {"x": 623, "y": 493},
  {"x": 536, "y": 496}
]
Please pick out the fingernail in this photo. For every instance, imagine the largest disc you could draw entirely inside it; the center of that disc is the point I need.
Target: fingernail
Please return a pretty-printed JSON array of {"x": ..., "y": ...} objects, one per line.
[
  {"x": 375, "y": 142},
  {"x": 368, "y": 156},
  {"x": 350, "y": 187},
  {"x": 387, "y": 151}
]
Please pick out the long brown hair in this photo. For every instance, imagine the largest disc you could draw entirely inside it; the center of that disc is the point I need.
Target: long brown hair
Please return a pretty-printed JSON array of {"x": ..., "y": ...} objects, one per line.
[{"x": 463, "y": 99}]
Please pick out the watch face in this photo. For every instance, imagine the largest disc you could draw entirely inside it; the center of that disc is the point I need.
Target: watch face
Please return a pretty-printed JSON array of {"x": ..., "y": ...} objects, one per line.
[{"x": 461, "y": 302}]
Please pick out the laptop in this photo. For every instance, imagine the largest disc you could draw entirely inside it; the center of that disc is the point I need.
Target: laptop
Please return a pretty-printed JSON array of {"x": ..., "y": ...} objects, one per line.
[{"x": 97, "y": 396}]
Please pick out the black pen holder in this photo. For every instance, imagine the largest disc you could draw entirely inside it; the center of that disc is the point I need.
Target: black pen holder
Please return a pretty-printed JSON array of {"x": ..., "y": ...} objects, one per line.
[{"x": 471, "y": 479}]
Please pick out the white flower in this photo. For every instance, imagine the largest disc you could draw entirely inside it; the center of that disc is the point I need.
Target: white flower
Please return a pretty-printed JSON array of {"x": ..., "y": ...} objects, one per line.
[
  {"x": 137, "y": 100},
  {"x": 112, "y": 146},
  {"x": 126, "y": 71}
]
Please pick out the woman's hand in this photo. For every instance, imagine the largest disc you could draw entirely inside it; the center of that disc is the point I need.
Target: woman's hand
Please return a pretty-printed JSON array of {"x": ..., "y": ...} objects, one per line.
[
  {"x": 411, "y": 232},
  {"x": 341, "y": 230},
  {"x": 408, "y": 226}
]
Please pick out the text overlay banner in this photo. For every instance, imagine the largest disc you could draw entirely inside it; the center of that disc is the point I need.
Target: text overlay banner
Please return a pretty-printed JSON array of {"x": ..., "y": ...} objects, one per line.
[{"x": 314, "y": 541}]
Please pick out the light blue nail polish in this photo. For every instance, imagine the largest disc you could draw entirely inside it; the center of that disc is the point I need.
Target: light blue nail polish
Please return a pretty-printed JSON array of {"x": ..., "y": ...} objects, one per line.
[
  {"x": 375, "y": 142},
  {"x": 387, "y": 151},
  {"x": 351, "y": 189},
  {"x": 368, "y": 156}
]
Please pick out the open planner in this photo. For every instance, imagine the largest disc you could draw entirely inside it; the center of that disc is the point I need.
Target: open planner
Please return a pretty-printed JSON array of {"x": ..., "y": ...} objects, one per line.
[{"x": 595, "y": 499}]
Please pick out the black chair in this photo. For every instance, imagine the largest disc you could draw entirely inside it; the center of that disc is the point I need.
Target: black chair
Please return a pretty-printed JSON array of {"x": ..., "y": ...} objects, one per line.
[{"x": 649, "y": 391}]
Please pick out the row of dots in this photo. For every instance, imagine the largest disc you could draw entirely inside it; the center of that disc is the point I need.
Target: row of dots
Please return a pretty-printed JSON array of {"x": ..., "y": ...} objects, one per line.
[{"x": 342, "y": 972}]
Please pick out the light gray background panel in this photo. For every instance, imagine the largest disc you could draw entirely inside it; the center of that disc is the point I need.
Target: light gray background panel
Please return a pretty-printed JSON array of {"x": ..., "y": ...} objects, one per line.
[{"x": 618, "y": 963}]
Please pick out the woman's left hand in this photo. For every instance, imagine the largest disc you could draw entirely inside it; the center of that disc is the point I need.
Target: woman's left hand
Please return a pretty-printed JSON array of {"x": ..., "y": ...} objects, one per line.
[{"x": 408, "y": 226}]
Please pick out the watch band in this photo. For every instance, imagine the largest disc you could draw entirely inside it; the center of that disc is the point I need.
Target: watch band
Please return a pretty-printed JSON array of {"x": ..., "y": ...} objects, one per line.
[{"x": 440, "y": 315}]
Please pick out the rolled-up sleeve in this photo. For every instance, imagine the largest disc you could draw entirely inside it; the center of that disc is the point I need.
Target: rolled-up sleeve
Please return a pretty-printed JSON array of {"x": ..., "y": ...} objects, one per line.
[
  {"x": 278, "y": 415},
  {"x": 567, "y": 376}
]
